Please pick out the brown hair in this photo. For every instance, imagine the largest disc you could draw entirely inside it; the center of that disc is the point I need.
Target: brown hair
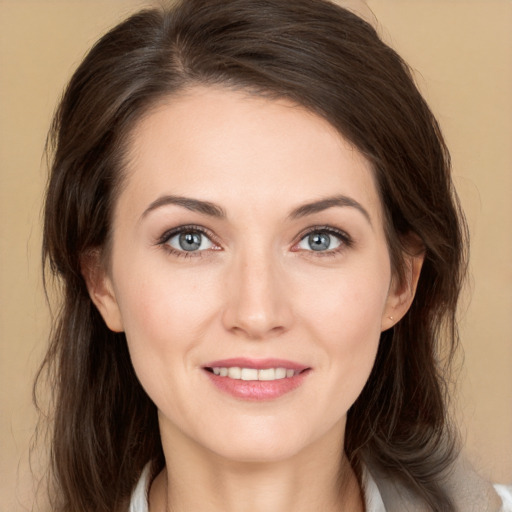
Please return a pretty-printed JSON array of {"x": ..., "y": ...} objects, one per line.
[{"x": 332, "y": 62}]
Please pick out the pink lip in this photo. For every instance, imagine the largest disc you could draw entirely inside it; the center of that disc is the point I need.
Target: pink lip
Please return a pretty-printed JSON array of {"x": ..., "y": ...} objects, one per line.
[
  {"x": 260, "y": 364},
  {"x": 254, "y": 390}
]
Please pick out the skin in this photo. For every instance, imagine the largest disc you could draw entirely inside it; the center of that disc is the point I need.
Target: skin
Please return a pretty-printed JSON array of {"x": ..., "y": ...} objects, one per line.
[{"x": 255, "y": 289}]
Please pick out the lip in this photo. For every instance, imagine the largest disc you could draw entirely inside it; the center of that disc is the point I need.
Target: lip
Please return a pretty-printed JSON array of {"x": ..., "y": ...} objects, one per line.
[
  {"x": 260, "y": 364},
  {"x": 253, "y": 390}
]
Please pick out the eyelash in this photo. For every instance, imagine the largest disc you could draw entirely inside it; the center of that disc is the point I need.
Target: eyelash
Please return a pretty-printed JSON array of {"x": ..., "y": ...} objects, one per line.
[
  {"x": 191, "y": 228},
  {"x": 345, "y": 240}
]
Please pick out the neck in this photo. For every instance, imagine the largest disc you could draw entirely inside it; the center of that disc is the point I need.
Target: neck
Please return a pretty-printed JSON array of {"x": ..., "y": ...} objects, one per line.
[{"x": 318, "y": 478}]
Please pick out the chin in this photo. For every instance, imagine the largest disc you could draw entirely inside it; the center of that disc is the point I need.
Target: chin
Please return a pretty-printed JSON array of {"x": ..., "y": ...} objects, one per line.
[
  {"x": 263, "y": 443},
  {"x": 257, "y": 452}
]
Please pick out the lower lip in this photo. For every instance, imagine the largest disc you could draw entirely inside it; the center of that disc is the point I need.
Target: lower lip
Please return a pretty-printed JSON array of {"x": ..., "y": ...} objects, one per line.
[{"x": 257, "y": 390}]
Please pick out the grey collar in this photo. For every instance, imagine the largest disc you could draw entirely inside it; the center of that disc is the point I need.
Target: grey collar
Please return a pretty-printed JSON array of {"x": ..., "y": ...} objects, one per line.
[{"x": 469, "y": 491}]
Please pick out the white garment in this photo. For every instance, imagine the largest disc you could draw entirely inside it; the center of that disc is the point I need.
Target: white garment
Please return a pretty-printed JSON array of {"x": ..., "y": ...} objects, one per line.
[
  {"x": 505, "y": 493},
  {"x": 139, "y": 501}
]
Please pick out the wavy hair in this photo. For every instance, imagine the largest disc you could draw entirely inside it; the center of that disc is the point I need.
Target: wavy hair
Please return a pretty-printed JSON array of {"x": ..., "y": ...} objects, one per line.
[{"x": 104, "y": 427}]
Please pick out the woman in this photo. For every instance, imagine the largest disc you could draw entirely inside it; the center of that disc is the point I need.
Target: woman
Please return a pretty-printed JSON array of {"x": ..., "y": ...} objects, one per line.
[{"x": 251, "y": 212}]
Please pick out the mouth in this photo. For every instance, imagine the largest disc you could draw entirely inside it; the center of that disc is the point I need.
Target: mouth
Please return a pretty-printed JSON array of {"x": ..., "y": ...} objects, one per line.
[
  {"x": 256, "y": 380},
  {"x": 254, "y": 374}
]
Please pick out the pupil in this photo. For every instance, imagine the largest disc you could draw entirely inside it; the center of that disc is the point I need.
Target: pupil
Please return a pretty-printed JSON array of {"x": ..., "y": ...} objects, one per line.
[
  {"x": 319, "y": 241},
  {"x": 190, "y": 241}
]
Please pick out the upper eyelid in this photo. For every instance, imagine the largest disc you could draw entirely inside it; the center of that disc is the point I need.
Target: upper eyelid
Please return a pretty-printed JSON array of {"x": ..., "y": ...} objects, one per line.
[
  {"x": 325, "y": 229},
  {"x": 168, "y": 234}
]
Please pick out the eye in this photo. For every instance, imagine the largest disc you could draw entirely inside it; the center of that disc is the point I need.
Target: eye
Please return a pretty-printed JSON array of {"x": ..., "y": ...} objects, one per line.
[
  {"x": 189, "y": 240},
  {"x": 323, "y": 240}
]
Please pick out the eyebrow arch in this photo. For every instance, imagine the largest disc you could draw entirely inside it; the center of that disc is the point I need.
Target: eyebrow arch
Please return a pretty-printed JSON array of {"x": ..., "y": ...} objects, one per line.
[
  {"x": 195, "y": 205},
  {"x": 328, "y": 202}
]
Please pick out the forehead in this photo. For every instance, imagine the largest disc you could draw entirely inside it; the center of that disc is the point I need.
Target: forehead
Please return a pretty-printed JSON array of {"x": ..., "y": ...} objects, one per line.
[{"x": 218, "y": 144}]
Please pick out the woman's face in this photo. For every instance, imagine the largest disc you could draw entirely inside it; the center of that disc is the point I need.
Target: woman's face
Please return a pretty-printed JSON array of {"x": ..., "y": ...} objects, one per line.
[{"x": 248, "y": 240}]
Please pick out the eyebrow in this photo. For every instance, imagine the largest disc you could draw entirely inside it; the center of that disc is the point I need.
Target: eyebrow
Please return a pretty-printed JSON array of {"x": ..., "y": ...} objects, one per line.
[
  {"x": 329, "y": 202},
  {"x": 195, "y": 205},
  {"x": 213, "y": 210}
]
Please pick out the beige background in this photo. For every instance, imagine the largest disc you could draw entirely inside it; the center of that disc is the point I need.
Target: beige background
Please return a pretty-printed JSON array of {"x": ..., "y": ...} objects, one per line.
[{"x": 462, "y": 52}]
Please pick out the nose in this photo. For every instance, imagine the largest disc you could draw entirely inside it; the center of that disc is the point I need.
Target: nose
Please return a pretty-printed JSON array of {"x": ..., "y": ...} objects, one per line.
[{"x": 257, "y": 304}]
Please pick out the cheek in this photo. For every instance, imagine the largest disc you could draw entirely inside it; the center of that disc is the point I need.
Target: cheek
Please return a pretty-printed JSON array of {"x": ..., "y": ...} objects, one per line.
[
  {"x": 344, "y": 316},
  {"x": 345, "y": 305},
  {"x": 164, "y": 317}
]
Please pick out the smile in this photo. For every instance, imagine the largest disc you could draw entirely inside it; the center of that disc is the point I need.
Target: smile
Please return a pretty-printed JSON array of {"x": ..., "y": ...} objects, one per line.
[
  {"x": 256, "y": 380},
  {"x": 263, "y": 374}
]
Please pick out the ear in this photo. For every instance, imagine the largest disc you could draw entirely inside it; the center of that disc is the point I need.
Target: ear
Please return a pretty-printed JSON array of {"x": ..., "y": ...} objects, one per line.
[
  {"x": 401, "y": 292},
  {"x": 101, "y": 291}
]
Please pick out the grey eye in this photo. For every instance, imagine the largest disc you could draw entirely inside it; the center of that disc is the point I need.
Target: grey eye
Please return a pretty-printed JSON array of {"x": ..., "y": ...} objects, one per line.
[
  {"x": 319, "y": 241},
  {"x": 190, "y": 241}
]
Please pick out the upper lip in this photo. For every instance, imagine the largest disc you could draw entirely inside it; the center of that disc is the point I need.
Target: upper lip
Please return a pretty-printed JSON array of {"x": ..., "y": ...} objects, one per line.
[{"x": 260, "y": 364}]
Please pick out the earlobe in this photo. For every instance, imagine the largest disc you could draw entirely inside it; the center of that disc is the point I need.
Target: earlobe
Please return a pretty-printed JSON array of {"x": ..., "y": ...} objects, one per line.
[
  {"x": 101, "y": 291},
  {"x": 402, "y": 292}
]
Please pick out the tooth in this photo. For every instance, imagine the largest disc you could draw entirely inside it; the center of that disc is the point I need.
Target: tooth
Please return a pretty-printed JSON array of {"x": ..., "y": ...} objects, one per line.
[
  {"x": 267, "y": 374},
  {"x": 249, "y": 374},
  {"x": 280, "y": 373},
  {"x": 234, "y": 372}
]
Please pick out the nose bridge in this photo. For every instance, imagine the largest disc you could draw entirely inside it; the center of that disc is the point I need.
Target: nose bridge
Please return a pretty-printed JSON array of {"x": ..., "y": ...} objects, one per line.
[{"x": 256, "y": 304}]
